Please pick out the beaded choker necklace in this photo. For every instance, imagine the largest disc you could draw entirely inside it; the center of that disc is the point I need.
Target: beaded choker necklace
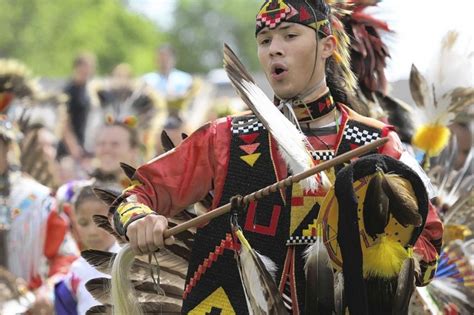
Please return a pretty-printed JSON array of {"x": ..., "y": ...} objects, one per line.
[{"x": 311, "y": 111}]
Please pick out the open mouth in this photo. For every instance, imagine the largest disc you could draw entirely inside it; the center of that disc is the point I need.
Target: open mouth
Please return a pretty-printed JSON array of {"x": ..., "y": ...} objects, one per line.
[{"x": 278, "y": 71}]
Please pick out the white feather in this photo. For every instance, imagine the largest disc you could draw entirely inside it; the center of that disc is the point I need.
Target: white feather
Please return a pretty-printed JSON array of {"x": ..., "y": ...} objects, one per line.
[
  {"x": 269, "y": 264},
  {"x": 252, "y": 274},
  {"x": 315, "y": 252},
  {"x": 452, "y": 67},
  {"x": 260, "y": 289},
  {"x": 291, "y": 142}
]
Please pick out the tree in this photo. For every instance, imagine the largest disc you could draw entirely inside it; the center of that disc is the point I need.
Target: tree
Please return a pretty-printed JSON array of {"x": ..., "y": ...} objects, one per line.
[
  {"x": 47, "y": 35},
  {"x": 202, "y": 27}
]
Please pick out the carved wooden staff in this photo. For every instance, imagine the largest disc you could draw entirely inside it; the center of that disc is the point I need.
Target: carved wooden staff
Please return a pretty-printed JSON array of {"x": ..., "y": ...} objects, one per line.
[{"x": 278, "y": 185}]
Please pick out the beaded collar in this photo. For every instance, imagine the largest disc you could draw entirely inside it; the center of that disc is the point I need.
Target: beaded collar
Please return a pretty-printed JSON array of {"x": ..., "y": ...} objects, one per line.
[{"x": 313, "y": 110}]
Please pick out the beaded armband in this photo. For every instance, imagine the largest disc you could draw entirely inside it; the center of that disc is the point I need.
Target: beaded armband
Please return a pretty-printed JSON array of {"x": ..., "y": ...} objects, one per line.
[{"x": 128, "y": 212}]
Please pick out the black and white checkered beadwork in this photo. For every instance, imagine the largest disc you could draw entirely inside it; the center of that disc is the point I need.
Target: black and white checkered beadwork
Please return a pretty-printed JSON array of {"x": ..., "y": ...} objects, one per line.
[
  {"x": 355, "y": 135},
  {"x": 301, "y": 240},
  {"x": 322, "y": 155},
  {"x": 246, "y": 126}
]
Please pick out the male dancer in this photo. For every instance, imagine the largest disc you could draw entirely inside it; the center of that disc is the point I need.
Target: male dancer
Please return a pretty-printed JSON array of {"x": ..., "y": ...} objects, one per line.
[{"x": 302, "y": 50}]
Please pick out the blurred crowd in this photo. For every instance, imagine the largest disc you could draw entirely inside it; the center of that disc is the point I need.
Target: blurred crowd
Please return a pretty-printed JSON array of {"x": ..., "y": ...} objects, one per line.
[
  {"x": 121, "y": 117},
  {"x": 61, "y": 139}
]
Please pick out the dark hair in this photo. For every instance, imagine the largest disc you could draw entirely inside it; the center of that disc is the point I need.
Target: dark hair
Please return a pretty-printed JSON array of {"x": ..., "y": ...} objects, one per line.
[
  {"x": 132, "y": 132},
  {"x": 335, "y": 82},
  {"x": 86, "y": 193}
]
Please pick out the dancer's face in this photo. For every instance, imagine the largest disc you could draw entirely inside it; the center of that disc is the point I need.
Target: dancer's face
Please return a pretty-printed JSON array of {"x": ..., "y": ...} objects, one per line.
[{"x": 291, "y": 57}]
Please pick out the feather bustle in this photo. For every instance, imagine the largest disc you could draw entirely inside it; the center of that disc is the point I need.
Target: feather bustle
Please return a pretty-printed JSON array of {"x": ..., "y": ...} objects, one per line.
[{"x": 146, "y": 307}]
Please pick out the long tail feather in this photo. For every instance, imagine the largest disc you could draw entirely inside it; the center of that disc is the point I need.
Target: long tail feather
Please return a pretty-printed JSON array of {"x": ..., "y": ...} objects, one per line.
[
  {"x": 291, "y": 142},
  {"x": 418, "y": 87},
  {"x": 319, "y": 279},
  {"x": 260, "y": 289}
]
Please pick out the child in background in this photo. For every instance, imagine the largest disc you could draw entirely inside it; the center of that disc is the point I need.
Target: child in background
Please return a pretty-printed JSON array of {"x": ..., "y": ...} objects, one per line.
[{"x": 71, "y": 296}]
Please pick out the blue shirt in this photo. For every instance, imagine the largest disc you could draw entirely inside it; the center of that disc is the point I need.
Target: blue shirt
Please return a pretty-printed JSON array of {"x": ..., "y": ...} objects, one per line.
[{"x": 176, "y": 84}]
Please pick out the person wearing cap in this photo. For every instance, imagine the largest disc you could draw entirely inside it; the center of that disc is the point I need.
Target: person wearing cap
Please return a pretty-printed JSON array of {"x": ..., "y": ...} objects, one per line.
[{"x": 302, "y": 49}]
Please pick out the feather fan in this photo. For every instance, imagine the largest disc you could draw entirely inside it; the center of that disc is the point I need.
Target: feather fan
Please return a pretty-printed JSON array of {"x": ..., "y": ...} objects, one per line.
[{"x": 107, "y": 196}]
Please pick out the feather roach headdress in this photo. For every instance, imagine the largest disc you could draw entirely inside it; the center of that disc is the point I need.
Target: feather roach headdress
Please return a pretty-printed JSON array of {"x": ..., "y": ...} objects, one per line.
[{"x": 367, "y": 50}]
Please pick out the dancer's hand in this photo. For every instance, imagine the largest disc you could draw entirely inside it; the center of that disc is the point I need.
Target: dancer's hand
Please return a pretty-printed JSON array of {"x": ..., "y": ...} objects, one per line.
[{"x": 146, "y": 234}]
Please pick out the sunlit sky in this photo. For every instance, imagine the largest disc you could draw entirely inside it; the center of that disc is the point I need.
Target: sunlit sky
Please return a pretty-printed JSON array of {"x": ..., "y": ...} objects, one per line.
[{"x": 419, "y": 26}]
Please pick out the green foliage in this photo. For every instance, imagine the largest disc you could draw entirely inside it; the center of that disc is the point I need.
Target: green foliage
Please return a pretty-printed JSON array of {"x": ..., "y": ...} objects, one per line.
[
  {"x": 47, "y": 35},
  {"x": 202, "y": 27}
]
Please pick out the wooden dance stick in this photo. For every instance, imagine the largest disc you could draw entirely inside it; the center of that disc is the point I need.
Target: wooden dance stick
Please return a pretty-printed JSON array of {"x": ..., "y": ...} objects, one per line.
[{"x": 276, "y": 186}]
